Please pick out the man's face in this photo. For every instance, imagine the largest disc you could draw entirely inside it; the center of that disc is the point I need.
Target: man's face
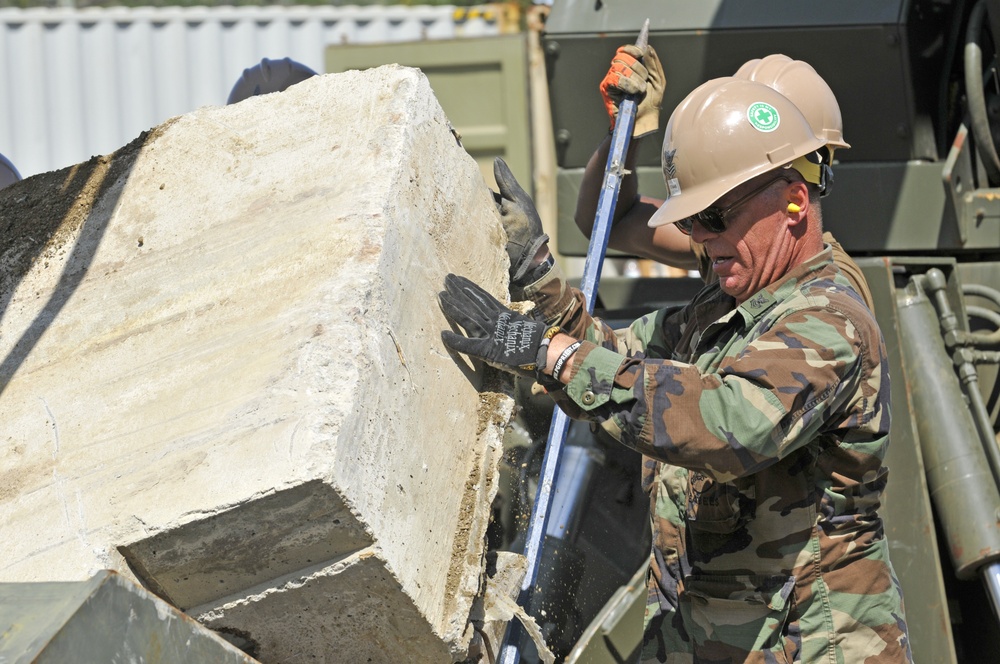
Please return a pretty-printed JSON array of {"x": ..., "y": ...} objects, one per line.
[{"x": 755, "y": 250}]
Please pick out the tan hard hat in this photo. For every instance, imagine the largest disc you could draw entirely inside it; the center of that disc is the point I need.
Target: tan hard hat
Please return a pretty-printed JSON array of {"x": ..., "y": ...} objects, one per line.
[
  {"x": 727, "y": 131},
  {"x": 798, "y": 81}
]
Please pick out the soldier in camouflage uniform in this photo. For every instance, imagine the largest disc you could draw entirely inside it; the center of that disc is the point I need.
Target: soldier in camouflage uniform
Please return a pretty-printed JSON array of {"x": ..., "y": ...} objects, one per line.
[{"x": 762, "y": 407}]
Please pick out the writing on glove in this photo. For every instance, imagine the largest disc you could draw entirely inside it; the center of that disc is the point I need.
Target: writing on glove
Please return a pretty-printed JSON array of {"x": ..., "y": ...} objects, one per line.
[{"x": 494, "y": 333}]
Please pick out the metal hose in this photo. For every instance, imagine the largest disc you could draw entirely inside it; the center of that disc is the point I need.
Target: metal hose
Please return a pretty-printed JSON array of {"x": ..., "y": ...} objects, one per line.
[
  {"x": 979, "y": 290},
  {"x": 982, "y": 312},
  {"x": 973, "y": 59},
  {"x": 934, "y": 282},
  {"x": 982, "y": 339},
  {"x": 985, "y": 357}
]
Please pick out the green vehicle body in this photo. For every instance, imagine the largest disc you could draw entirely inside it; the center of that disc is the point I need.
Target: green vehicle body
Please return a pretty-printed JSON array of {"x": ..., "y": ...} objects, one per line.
[{"x": 916, "y": 201}]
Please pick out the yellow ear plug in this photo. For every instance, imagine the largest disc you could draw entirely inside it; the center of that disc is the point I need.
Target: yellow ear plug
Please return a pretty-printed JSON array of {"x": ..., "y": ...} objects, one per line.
[{"x": 793, "y": 208}]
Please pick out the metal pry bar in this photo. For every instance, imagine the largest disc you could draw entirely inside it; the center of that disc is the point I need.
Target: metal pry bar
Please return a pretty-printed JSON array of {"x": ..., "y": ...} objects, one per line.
[{"x": 510, "y": 652}]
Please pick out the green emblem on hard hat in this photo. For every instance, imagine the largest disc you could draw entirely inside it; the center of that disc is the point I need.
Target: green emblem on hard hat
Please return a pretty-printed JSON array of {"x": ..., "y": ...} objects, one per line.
[{"x": 763, "y": 116}]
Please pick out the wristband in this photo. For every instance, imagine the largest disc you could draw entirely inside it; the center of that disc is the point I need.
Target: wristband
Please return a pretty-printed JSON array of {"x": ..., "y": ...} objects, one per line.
[
  {"x": 543, "y": 348},
  {"x": 565, "y": 355}
]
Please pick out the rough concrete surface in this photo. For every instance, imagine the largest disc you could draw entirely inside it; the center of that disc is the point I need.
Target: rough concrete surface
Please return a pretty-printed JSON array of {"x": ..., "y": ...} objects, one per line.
[{"x": 221, "y": 372}]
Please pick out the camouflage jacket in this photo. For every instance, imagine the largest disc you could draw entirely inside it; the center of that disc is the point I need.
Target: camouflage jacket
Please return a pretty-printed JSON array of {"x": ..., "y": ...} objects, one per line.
[
  {"x": 844, "y": 262},
  {"x": 763, "y": 427}
]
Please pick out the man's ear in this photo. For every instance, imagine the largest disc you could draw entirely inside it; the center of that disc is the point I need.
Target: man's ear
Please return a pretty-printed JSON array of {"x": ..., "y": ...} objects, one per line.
[{"x": 797, "y": 202}]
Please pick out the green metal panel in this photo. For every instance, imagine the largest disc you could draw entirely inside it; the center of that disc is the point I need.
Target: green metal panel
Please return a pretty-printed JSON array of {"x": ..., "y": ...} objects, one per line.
[
  {"x": 906, "y": 507},
  {"x": 577, "y": 63},
  {"x": 890, "y": 207},
  {"x": 863, "y": 50},
  {"x": 104, "y": 619},
  {"x": 623, "y": 15},
  {"x": 615, "y": 634},
  {"x": 570, "y": 240},
  {"x": 874, "y": 208},
  {"x": 480, "y": 83}
]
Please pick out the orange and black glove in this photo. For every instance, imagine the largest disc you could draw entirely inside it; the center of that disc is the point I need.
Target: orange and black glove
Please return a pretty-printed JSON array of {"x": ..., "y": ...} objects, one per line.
[{"x": 637, "y": 72}]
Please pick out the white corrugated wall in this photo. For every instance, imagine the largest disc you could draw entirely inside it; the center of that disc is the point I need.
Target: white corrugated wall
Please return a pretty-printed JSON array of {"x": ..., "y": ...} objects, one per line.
[{"x": 81, "y": 82}]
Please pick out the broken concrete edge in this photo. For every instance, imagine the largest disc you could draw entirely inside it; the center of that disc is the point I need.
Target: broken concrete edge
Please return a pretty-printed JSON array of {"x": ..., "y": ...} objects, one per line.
[
  {"x": 496, "y": 409},
  {"x": 289, "y": 528},
  {"x": 505, "y": 571},
  {"x": 502, "y": 577},
  {"x": 358, "y": 601},
  {"x": 213, "y": 611},
  {"x": 467, "y": 545}
]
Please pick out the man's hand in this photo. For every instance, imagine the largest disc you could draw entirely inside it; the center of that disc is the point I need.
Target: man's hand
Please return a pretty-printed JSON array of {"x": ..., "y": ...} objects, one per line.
[
  {"x": 498, "y": 335},
  {"x": 644, "y": 79},
  {"x": 520, "y": 221}
]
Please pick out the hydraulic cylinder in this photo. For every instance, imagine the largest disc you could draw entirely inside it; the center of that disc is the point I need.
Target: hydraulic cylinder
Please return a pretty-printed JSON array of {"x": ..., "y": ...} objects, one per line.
[{"x": 961, "y": 484}]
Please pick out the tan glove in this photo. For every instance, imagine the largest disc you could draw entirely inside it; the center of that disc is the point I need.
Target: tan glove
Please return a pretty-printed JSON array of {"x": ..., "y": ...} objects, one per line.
[{"x": 643, "y": 78}]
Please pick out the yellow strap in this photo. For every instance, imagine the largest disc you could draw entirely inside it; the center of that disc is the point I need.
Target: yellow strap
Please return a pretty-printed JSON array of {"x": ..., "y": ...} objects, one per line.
[{"x": 810, "y": 171}]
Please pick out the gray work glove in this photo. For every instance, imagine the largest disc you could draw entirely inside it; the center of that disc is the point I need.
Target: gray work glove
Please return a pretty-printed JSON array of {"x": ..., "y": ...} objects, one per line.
[{"x": 520, "y": 221}]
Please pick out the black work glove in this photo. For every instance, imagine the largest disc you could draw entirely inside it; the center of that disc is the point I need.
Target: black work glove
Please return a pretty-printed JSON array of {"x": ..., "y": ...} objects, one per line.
[
  {"x": 498, "y": 335},
  {"x": 520, "y": 220}
]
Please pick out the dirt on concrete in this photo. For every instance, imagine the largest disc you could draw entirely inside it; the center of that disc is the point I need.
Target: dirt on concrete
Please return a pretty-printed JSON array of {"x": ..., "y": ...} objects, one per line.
[{"x": 39, "y": 214}]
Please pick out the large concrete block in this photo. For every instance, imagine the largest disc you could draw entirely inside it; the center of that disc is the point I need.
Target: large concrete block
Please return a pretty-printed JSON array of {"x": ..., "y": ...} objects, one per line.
[{"x": 221, "y": 372}]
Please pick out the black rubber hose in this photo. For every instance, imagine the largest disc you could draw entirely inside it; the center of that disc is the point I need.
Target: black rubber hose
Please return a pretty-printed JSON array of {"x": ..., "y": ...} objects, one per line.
[
  {"x": 945, "y": 109},
  {"x": 976, "y": 95}
]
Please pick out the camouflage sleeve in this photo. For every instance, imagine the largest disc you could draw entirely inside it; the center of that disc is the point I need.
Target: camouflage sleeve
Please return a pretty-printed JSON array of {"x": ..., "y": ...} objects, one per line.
[
  {"x": 754, "y": 408},
  {"x": 564, "y": 306},
  {"x": 850, "y": 270}
]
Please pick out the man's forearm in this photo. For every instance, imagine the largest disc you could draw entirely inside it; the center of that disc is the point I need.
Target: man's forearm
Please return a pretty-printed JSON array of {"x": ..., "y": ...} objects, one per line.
[
  {"x": 630, "y": 233},
  {"x": 593, "y": 178}
]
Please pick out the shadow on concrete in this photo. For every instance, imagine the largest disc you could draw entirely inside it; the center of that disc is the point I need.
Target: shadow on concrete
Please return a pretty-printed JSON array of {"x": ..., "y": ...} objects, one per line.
[{"x": 39, "y": 218}]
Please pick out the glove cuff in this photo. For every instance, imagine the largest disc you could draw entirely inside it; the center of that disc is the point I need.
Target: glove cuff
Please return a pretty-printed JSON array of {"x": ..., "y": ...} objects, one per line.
[
  {"x": 543, "y": 350},
  {"x": 519, "y": 272},
  {"x": 517, "y": 286},
  {"x": 646, "y": 123}
]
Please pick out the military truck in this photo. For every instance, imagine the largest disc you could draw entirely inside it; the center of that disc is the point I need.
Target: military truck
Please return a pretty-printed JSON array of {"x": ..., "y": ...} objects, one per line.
[{"x": 915, "y": 201}]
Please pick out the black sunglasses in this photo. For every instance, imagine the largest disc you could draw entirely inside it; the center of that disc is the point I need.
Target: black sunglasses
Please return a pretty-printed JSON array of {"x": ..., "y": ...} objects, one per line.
[{"x": 713, "y": 219}]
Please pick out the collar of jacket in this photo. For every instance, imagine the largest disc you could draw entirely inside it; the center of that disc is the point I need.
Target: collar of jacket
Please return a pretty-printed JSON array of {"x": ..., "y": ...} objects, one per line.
[{"x": 761, "y": 301}]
